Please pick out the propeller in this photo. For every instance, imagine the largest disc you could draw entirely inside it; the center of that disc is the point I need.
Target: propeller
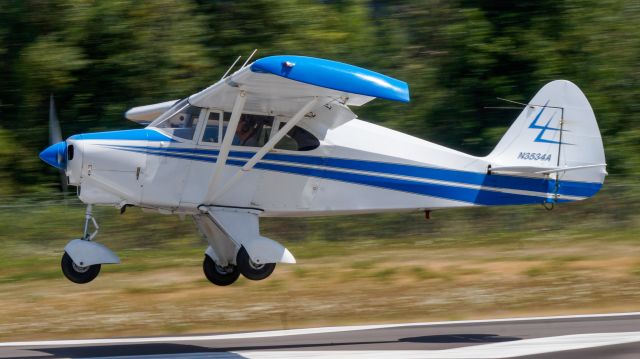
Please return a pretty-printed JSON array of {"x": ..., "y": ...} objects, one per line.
[{"x": 55, "y": 136}]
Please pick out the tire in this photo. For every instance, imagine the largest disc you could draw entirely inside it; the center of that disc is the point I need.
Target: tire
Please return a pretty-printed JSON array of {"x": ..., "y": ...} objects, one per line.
[
  {"x": 77, "y": 274},
  {"x": 218, "y": 275},
  {"x": 251, "y": 270}
]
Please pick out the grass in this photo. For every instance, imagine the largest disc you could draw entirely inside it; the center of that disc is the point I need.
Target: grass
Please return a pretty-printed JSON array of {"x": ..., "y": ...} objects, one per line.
[
  {"x": 535, "y": 272},
  {"x": 384, "y": 274},
  {"x": 424, "y": 274},
  {"x": 164, "y": 292},
  {"x": 462, "y": 264}
]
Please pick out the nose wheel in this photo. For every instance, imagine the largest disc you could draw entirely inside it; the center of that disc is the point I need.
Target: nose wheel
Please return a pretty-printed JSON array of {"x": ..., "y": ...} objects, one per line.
[
  {"x": 219, "y": 275},
  {"x": 78, "y": 274}
]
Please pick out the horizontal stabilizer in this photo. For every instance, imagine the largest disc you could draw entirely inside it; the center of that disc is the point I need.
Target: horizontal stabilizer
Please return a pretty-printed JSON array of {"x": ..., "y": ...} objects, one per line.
[{"x": 540, "y": 170}]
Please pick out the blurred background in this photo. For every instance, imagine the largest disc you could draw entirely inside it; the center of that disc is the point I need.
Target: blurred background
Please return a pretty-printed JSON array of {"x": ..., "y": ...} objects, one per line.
[{"x": 100, "y": 58}]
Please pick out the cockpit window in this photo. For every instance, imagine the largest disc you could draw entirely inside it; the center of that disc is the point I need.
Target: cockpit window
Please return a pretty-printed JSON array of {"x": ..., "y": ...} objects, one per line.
[
  {"x": 255, "y": 130},
  {"x": 180, "y": 121},
  {"x": 212, "y": 128},
  {"x": 252, "y": 130}
]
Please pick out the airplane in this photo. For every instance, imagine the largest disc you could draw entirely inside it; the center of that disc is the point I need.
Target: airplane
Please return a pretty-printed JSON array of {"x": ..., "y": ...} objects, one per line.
[{"x": 278, "y": 138}]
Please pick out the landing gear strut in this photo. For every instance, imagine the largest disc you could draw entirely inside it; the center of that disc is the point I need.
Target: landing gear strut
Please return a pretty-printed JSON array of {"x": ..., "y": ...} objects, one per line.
[{"x": 226, "y": 258}]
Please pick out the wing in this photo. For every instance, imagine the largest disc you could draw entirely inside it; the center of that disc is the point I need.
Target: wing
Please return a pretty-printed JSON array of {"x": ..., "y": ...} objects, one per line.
[
  {"x": 146, "y": 114},
  {"x": 283, "y": 84}
]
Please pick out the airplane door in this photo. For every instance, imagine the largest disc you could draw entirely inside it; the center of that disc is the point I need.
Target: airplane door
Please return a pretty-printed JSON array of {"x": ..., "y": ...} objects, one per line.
[
  {"x": 207, "y": 144},
  {"x": 168, "y": 162}
]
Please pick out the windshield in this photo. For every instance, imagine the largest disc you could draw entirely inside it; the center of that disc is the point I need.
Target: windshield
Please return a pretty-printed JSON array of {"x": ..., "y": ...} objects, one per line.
[
  {"x": 180, "y": 120},
  {"x": 177, "y": 107}
]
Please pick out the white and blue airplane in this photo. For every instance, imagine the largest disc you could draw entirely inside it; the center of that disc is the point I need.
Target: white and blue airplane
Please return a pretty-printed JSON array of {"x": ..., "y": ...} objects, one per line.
[{"x": 278, "y": 138}]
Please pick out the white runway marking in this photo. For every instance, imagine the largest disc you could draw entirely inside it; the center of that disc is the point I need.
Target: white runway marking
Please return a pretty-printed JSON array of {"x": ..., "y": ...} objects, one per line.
[
  {"x": 289, "y": 332},
  {"x": 510, "y": 349}
]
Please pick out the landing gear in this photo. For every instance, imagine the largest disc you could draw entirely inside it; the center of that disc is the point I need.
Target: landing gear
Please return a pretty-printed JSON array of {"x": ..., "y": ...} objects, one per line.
[
  {"x": 226, "y": 258},
  {"x": 252, "y": 270},
  {"x": 83, "y": 258},
  {"x": 76, "y": 273},
  {"x": 218, "y": 274}
]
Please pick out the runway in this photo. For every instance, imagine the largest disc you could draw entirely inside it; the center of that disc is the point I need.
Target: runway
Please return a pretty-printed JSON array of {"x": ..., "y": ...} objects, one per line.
[{"x": 581, "y": 336}]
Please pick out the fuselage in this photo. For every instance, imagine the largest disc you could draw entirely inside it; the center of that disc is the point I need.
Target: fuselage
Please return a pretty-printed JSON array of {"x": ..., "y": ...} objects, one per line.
[{"x": 358, "y": 167}]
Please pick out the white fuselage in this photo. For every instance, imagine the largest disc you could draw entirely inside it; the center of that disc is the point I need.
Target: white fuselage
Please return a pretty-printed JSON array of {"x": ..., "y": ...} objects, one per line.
[
  {"x": 359, "y": 167},
  {"x": 344, "y": 174}
]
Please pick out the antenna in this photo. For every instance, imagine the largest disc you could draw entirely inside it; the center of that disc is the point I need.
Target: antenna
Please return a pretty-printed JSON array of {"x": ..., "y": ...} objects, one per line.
[
  {"x": 507, "y": 107},
  {"x": 516, "y": 102},
  {"x": 232, "y": 65},
  {"x": 520, "y": 103},
  {"x": 249, "y": 58}
]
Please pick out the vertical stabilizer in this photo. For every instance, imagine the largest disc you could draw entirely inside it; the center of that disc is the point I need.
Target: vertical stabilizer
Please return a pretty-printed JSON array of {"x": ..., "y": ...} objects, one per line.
[{"x": 556, "y": 134}]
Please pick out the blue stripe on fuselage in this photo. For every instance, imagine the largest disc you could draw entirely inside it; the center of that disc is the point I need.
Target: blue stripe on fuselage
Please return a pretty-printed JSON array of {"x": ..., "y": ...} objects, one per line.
[
  {"x": 479, "y": 196},
  {"x": 434, "y": 190},
  {"x": 568, "y": 188}
]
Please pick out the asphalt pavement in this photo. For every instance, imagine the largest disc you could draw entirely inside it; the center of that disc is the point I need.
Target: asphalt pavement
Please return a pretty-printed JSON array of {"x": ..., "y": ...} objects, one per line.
[{"x": 589, "y": 336}]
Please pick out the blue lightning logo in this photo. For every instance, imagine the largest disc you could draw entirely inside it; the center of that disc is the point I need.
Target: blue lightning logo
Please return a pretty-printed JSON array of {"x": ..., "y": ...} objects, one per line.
[{"x": 535, "y": 125}]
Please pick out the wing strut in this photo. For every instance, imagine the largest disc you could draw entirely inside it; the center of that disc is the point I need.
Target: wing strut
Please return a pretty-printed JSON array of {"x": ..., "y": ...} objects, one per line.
[
  {"x": 267, "y": 147},
  {"x": 238, "y": 106}
]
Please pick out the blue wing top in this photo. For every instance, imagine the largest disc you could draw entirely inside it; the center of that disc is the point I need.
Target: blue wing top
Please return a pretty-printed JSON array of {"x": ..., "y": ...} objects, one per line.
[{"x": 334, "y": 75}]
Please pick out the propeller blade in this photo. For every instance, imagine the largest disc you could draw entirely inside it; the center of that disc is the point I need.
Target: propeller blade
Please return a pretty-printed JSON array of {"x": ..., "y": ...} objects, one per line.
[
  {"x": 63, "y": 181},
  {"x": 55, "y": 136}
]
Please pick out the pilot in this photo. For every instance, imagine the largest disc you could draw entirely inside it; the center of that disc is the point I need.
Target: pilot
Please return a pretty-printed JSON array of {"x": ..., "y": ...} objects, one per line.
[{"x": 245, "y": 133}]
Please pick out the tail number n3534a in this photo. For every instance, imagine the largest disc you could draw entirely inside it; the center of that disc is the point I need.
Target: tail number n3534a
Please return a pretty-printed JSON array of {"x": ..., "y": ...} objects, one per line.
[{"x": 533, "y": 156}]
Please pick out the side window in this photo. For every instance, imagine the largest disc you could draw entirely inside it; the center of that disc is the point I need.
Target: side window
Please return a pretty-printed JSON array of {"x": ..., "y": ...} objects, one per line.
[
  {"x": 212, "y": 131},
  {"x": 252, "y": 130},
  {"x": 298, "y": 139},
  {"x": 183, "y": 123},
  {"x": 255, "y": 131}
]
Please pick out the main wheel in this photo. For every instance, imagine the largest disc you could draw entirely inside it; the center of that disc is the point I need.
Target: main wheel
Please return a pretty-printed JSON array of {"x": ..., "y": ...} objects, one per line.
[
  {"x": 218, "y": 274},
  {"x": 76, "y": 273},
  {"x": 252, "y": 270}
]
